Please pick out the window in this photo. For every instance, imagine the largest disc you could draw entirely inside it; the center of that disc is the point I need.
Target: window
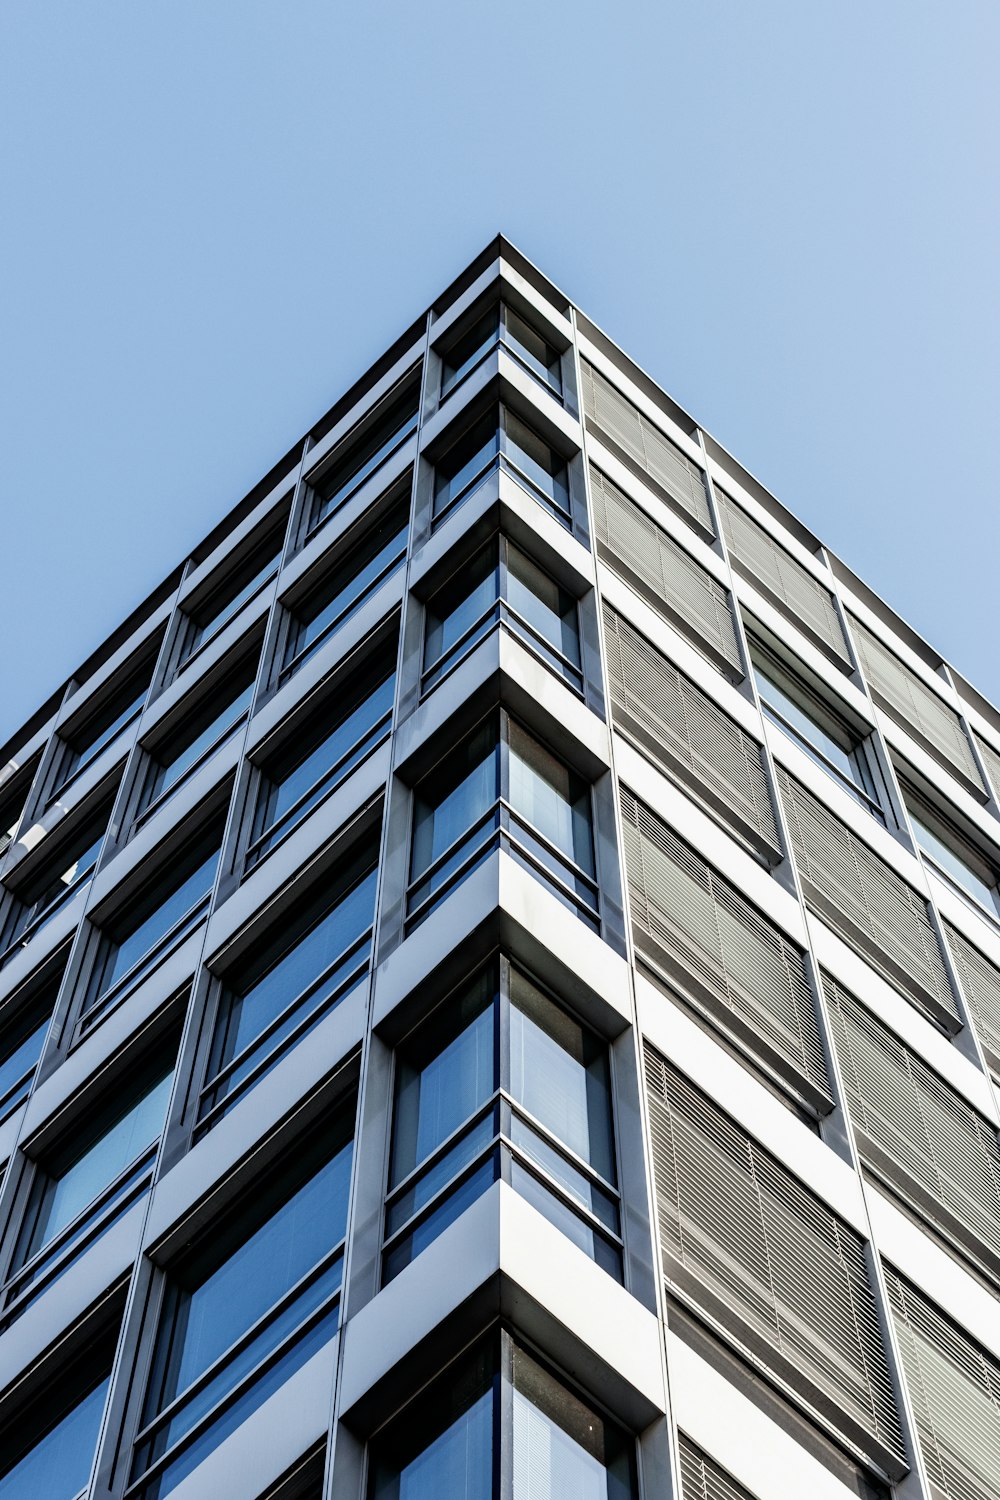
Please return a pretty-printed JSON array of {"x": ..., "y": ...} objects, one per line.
[
  {"x": 380, "y": 550},
  {"x": 84, "y": 1188},
  {"x": 501, "y": 438},
  {"x": 106, "y": 722},
  {"x": 168, "y": 908},
  {"x": 204, "y": 621},
  {"x": 292, "y": 980},
  {"x": 15, "y": 789},
  {"x": 951, "y": 854},
  {"x": 52, "y": 1442},
  {"x": 815, "y": 727},
  {"x": 202, "y": 732},
  {"x": 245, "y": 1307},
  {"x": 23, "y": 1029},
  {"x": 500, "y": 1081},
  {"x": 61, "y": 875},
  {"x": 323, "y": 751},
  {"x": 500, "y": 324},
  {"x": 501, "y": 788},
  {"x": 498, "y": 1423},
  {"x": 382, "y": 431},
  {"x": 501, "y": 585}
]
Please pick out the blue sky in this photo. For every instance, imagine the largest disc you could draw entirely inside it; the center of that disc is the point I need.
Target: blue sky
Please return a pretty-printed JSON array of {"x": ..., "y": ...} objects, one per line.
[{"x": 216, "y": 213}]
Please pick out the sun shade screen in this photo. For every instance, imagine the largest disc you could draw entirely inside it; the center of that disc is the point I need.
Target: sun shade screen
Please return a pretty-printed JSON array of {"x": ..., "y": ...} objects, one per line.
[
  {"x": 764, "y": 1255},
  {"x": 866, "y": 902},
  {"x": 701, "y": 1477},
  {"x": 716, "y": 946},
  {"x": 641, "y": 441},
  {"x": 980, "y": 981},
  {"x": 915, "y": 705},
  {"x": 955, "y": 1389},
  {"x": 992, "y": 760},
  {"x": 914, "y": 1129},
  {"x": 796, "y": 592},
  {"x": 677, "y": 587},
  {"x": 688, "y": 735}
]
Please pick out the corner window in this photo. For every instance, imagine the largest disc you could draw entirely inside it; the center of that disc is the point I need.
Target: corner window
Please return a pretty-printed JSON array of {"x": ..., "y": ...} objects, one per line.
[
  {"x": 501, "y": 437},
  {"x": 500, "y": 324},
  {"x": 60, "y": 877},
  {"x": 951, "y": 854},
  {"x": 323, "y": 751},
  {"x": 498, "y": 1423},
  {"x": 245, "y": 1308},
  {"x": 366, "y": 448},
  {"x": 292, "y": 980},
  {"x": 366, "y": 565},
  {"x": 816, "y": 728},
  {"x": 81, "y": 1190},
  {"x": 501, "y": 585},
  {"x": 501, "y": 1081},
  {"x": 167, "y": 910}
]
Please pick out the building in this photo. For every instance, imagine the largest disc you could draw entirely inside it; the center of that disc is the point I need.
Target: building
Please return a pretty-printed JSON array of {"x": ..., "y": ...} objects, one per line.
[{"x": 500, "y": 981}]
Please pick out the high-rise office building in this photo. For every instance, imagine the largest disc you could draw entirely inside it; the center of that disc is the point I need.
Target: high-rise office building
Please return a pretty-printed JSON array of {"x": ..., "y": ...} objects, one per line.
[{"x": 500, "y": 981}]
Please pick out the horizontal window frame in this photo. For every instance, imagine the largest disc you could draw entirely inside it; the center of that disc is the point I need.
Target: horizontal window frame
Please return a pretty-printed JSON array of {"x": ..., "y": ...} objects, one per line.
[
  {"x": 358, "y": 480},
  {"x": 162, "y": 798},
  {"x": 501, "y": 615},
  {"x": 110, "y": 999},
  {"x": 853, "y": 788},
  {"x": 42, "y": 919},
  {"x": 330, "y": 629},
  {"x": 216, "y": 630},
  {"x": 501, "y": 340},
  {"x": 87, "y": 759}
]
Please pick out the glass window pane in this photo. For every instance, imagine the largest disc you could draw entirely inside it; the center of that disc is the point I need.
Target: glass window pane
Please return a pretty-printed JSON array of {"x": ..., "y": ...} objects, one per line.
[
  {"x": 534, "y": 457},
  {"x": 158, "y": 923},
  {"x": 551, "y": 798},
  {"x": 59, "y": 1466},
  {"x": 469, "y": 348},
  {"x": 394, "y": 419},
  {"x": 944, "y": 855},
  {"x": 179, "y": 756},
  {"x": 448, "y": 803},
  {"x": 463, "y": 600},
  {"x": 532, "y": 349},
  {"x": 465, "y": 460},
  {"x": 561, "y": 1449},
  {"x": 442, "y": 1445},
  {"x": 383, "y": 547},
  {"x": 548, "y": 608},
  {"x": 836, "y": 751}
]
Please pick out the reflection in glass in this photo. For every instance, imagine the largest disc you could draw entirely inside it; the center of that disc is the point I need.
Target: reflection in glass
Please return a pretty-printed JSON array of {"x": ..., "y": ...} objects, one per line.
[
  {"x": 944, "y": 854},
  {"x": 392, "y": 421},
  {"x": 500, "y": 324},
  {"x": 58, "y": 1467}
]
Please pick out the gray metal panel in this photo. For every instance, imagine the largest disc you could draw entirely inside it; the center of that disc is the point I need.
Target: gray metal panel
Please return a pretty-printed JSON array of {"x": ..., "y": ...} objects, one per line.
[
  {"x": 799, "y": 596},
  {"x": 744, "y": 1237},
  {"x": 720, "y": 950},
  {"x": 689, "y": 736},
  {"x": 644, "y": 443},
  {"x": 980, "y": 981},
  {"x": 915, "y": 705},
  {"x": 867, "y": 903},
  {"x": 701, "y": 1477},
  {"x": 668, "y": 578},
  {"x": 955, "y": 1390}
]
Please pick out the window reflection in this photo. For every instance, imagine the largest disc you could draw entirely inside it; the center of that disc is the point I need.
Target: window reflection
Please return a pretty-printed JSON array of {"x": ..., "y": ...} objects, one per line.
[
  {"x": 500, "y": 324},
  {"x": 501, "y": 437},
  {"x": 384, "y": 430}
]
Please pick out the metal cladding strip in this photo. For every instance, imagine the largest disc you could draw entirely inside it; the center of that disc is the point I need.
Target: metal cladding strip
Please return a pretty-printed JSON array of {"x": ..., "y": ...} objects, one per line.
[
  {"x": 703, "y": 1479},
  {"x": 668, "y": 577},
  {"x": 955, "y": 1389}
]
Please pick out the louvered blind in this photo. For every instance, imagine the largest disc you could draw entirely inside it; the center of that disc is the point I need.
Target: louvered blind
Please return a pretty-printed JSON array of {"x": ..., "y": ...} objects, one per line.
[
  {"x": 719, "y": 950},
  {"x": 701, "y": 1477},
  {"x": 689, "y": 736},
  {"x": 866, "y": 902},
  {"x": 955, "y": 1389},
  {"x": 980, "y": 981},
  {"x": 641, "y": 441},
  {"x": 767, "y": 1258},
  {"x": 799, "y": 596},
  {"x": 675, "y": 585},
  {"x": 916, "y": 1131},
  {"x": 915, "y": 705},
  {"x": 991, "y": 758}
]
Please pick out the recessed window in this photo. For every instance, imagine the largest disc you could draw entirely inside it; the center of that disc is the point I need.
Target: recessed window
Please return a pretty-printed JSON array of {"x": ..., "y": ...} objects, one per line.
[
  {"x": 53, "y": 1441},
  {"x": 60, "y": 876},
  {"x": 949, "y": 852},
  {"x": 245, "y": 1308},
  {"x": 27, "y": 1015},
  {"x": 366, "y": 448},
  {"x": 501, "y": 1081},
  {"x": 14, "y": 793},
  {"x": 815, "y": 727},
  {"x": 367, "y": 564},
  {"x": 501, "y": 585},
  {"x": 243, "y": 583},
  {"x": 117, "y": 710},
  {"x": 296, "y": 976},
  {"x": 324, "y": 751},
  {"x": 167, "y": 910},
  {"x": 498, "y": 1423},
  {"x": 502, "y": 788},
  {"x": 501, "y": 437},
  {"x": 500, "y": 324},
  {"x": 82, "y": 1189}
]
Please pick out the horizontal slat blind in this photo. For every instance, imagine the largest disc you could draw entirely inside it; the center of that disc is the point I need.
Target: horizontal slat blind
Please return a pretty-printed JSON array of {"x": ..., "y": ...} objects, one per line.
[
  {"x": 865, "y": 901},
  {"x": 679, "y": 588},
  {"x": 980, "y": 981},
  {"x": 688, "y": 735},
  {"x": 914, "y": 1128},
  {"x": 770, "y": 1254},
  {"x": 955, "y": 1389},
  {"x": 991, "y": 758},
  {"x": 717, "y": 946},
  {"x": 799, "y": 596},
  {"x": 643, "y": 442},
  {"x": 701, "y": 1477},
  {"x": 915, "y": 705}
]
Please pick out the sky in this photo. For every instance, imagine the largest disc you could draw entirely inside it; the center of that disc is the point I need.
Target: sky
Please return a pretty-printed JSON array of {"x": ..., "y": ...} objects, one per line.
[{"x": 215, "y": 214}]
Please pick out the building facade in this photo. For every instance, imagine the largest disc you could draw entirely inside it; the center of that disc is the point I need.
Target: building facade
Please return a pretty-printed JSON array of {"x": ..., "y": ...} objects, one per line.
[{"x": 500, "y": 981}]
